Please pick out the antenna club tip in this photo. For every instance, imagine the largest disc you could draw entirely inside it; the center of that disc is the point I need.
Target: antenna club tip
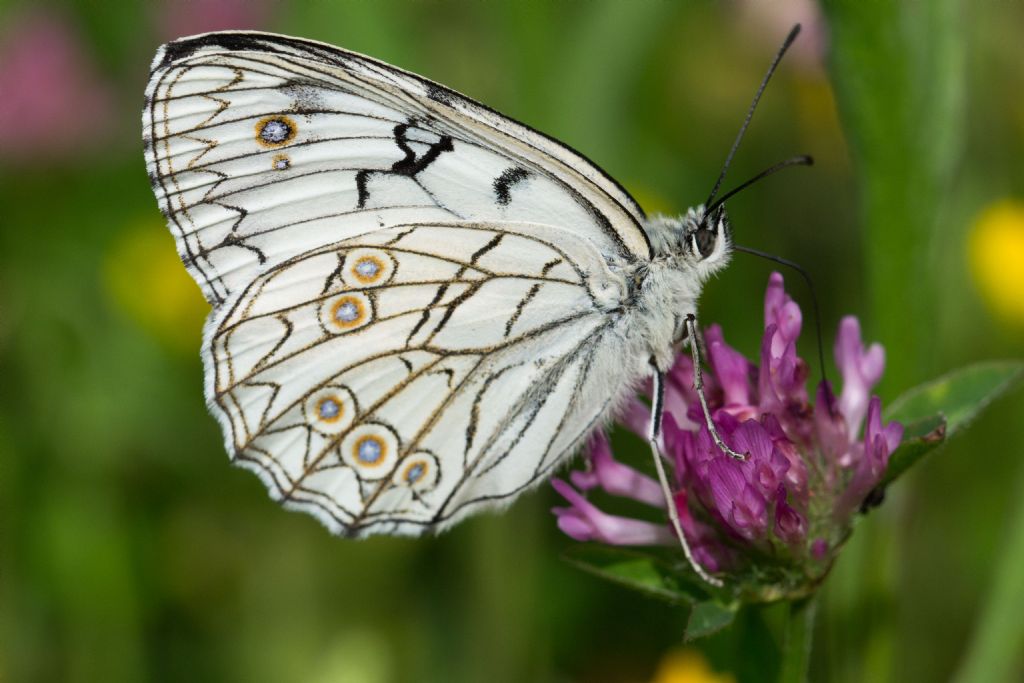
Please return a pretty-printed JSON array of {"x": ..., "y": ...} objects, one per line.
[{"x": 793, "y": 33}]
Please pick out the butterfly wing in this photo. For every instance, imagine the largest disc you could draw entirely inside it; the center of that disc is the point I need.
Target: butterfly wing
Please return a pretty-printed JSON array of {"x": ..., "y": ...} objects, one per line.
[
  {"x": 262, "y": 147},
  {"x": 413, "y": 312},
  {"x": 397, "y": 381}
]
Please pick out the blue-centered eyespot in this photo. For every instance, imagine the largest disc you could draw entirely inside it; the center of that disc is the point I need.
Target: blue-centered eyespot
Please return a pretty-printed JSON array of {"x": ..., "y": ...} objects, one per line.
[
  {"x": 419, "y": 471},
  {"x": 275, "y": 131},
  {"x": 330, "y": 410},
  {"x": 346, "y": 312},
  {"x": 371, "y": 449},
  {"x": 281, "y": 162},
  {"x": 367, "y": 267}
]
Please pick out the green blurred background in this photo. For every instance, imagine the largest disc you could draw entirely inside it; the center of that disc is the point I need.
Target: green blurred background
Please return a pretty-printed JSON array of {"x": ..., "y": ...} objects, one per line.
[{"x": 131, "y": 550}]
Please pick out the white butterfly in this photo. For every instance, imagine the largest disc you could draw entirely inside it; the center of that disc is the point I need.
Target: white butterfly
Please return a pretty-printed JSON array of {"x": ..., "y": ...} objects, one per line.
[{"x": 420, "y": 306}]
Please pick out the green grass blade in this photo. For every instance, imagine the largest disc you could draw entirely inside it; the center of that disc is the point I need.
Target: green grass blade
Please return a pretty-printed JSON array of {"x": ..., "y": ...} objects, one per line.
[{"x": 995, "y": 648}]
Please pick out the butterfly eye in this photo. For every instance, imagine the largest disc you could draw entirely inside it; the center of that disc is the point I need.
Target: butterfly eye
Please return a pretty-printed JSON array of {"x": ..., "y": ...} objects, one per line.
[{"x": 705, "y": 241}]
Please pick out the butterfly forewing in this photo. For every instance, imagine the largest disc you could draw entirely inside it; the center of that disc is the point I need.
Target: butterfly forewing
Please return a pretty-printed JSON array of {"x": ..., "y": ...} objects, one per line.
[{"x": 262, "y": 147}]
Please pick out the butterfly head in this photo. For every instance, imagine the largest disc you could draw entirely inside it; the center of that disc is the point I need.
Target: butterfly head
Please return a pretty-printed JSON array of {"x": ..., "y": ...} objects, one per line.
[
  {"x": 696, "y": 241},
  {"x": 708, "y": 235}
]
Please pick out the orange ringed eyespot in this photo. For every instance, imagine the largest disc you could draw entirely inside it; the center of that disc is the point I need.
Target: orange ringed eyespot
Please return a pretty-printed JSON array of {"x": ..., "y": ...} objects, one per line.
[
  {"x": 348, "y": 311},
  {"x": 275, "y": 131},
  {"x": 370, "y": 450},
  {"x": 415, "y": 471},
  {"x": 368, "y": 269},
  {"x": 329, "y": 409}
]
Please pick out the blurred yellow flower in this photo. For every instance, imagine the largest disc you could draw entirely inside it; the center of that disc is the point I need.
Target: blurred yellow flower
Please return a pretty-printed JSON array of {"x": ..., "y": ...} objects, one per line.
[
  {"x": 688, "y": 666},
  {"x": 146, "y": 280},
  {"x": 996, "y": 252},
  {"x": 359, "y": 656}
]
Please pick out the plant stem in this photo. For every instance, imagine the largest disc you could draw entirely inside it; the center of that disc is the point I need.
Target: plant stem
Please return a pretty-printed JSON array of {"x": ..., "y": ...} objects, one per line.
[{"x": 796, "y": 640}]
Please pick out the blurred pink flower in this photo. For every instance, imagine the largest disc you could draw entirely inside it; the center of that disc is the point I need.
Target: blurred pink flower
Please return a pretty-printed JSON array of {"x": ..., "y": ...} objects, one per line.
[
  {"x": 177, "y": 18},
  {"x": 763, "y": 21},
  {"x": 54, "y": 102}
]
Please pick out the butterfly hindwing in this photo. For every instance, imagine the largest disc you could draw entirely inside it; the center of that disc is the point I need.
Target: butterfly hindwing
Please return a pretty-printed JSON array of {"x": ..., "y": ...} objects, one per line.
[
  {"x": 395, "y": 381},
  {"x": 262, "y": 147}
]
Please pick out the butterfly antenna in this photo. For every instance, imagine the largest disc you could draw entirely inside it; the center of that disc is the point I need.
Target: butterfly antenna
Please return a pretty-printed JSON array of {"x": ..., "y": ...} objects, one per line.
[
  {"x": 814, "y": 297},
  {"x": 802, "y": 160},
  {"x": 793, "y": 33}
]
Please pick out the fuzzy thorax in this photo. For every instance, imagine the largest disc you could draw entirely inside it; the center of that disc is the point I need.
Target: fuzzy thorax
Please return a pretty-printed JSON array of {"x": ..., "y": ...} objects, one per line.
[{"x": 687, "y": 251}]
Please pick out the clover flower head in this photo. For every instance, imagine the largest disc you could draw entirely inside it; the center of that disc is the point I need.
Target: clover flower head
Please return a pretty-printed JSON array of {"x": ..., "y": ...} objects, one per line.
[{"x": 784, "y": 510}]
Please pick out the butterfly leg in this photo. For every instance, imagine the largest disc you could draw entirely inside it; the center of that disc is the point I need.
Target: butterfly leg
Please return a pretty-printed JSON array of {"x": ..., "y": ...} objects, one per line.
[
  {"x": 654, "y": 438},
  {"x": 698, "y": 385}
]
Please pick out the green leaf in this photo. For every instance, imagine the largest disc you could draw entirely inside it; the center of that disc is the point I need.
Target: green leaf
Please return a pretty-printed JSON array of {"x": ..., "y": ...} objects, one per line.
[
  {"x": 934, "y": 411},
  {"x": 709, "y": 617},
  {"x": 959, "y": 396},
  {"x": 641, "y": 571},
  {"x": 919, "y": 439},
  {"x": 656, "y": 576}
]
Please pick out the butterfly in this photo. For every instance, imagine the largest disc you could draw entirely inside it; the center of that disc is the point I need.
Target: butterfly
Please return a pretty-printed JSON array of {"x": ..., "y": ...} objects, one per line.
[{"x": 420, "y": 307}]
